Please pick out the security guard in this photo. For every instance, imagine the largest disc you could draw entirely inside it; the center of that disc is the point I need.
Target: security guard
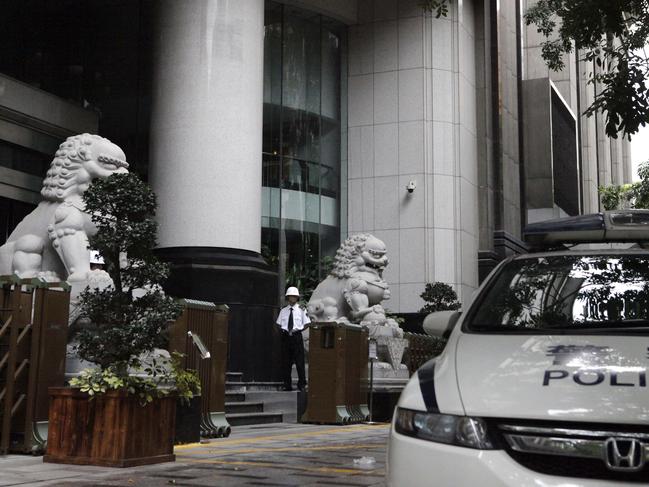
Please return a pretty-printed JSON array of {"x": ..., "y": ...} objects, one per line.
[{"x": 292, "y": 320}]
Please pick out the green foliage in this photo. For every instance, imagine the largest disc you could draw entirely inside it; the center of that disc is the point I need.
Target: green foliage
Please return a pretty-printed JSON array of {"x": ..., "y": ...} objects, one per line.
[
  {"x": 612, "y": 36},
  {"x": 271, "y": 259},
  {"x": 124, "y": 325},
  {"x": 616, "y": 197},
  {"x": 123, "y": 209},
  {"x": 440, "y": 7},
  {"x": 164, "y": 376},
  {"x": 641, "y": 194},
  {"x": 633, "y": 196},
  {"x": 439, "y": 297},
  {"x": 303, "y": 275},
  {"x": 399, "y": 319},
  {"x": 306, "y": 277},
  {"x": 187, "y": 384}
]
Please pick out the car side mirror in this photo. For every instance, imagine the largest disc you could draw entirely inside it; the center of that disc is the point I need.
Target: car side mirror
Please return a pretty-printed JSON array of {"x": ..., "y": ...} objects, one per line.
[{"x": 441, "y": 323}]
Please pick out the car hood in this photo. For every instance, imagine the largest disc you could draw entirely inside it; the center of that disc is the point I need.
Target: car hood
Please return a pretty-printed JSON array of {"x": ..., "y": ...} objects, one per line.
[{"x": 556, "y": 377}]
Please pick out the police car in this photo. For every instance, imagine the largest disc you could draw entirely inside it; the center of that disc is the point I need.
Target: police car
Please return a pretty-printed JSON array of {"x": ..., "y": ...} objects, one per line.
[{"x": 543, "y": 381}]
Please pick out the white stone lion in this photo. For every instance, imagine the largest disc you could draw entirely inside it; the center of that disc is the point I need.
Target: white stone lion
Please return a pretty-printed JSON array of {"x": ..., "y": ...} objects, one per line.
[
  {"x": 353, "y": 292},
  {"x": 52, "y": 241},
  {"x": 354, "y": 289}
]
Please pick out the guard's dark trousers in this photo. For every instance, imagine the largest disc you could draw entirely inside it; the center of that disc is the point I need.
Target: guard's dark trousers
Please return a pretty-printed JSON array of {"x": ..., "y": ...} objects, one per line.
[{"x": 293, "y": 353}]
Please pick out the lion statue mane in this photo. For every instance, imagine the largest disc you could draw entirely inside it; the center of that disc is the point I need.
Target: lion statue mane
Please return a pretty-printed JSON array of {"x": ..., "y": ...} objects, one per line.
[
  {"x": 52, "y": 241},
  {"x": 354, "y": 289}
]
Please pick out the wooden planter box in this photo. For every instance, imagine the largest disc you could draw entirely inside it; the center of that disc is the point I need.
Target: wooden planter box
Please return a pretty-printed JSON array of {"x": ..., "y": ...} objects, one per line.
[{"x": 112, "y": 430}]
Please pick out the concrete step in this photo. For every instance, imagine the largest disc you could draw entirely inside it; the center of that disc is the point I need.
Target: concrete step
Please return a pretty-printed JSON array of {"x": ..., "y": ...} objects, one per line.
[
  {"x": 286, "y": 403},
  {"x": 234, "y": 376},
  {"x": 231, "y": 396},
  {"x": 241, "y": 419},
  {"x": 244, "y": 407},
  {"x": 235, "y": 387},
  {"x": 252, "y": 386},
  {"x": 250, "y": 403}
]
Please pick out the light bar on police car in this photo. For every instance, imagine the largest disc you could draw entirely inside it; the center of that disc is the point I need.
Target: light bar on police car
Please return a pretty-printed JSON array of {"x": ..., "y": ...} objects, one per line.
[{"x": 605, "y": 227}]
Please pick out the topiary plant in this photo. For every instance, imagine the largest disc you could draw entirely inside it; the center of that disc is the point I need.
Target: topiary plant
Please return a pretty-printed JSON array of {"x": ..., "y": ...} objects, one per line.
[
  {"x": 439, "y": 297},
  {"x": 129, "y": 318}
]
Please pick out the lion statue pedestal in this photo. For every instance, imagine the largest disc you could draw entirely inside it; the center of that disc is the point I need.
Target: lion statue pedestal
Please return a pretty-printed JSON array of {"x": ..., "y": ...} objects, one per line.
[{"x": 353, "y": 293}]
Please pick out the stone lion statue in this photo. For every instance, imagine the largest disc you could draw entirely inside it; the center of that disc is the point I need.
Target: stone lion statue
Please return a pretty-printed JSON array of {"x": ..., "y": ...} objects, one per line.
[
  {"x": 354, "y": 289},
  {"x": 52, "y": 241}
]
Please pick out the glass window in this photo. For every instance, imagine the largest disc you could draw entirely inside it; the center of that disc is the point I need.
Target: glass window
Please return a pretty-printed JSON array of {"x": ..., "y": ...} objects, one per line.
[
  {"x": 567, "y": 293},
  {"x": 95, "y": 54},
  {"x": 302, "y": 143},
  {"x": 271, "y": 171},
  {"x": 25, "y": 160},
  {"x": 300, "y": 134},
  {"x": 294, "y": 174},
  {"x": 330, "y": 75},
  {"x": 12, "y": 213},
  {"x": 301, "y": 64},
  {"x": 273, "y": 55},
  {"x": 330, "y": 143},
  {"x": 329, "y": 182}
]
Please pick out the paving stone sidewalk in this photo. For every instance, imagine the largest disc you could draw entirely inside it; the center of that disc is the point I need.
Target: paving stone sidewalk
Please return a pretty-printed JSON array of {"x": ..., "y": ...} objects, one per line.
[{"x": 271, "y": 455}]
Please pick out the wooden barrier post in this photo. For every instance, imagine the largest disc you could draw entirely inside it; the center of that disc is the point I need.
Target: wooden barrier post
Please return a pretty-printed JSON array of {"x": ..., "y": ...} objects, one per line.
[{"x": 33, "y": 339}]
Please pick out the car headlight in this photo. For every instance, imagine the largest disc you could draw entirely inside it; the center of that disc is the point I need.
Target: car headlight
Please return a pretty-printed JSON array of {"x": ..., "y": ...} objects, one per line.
[{"x": 443, "y": 428}]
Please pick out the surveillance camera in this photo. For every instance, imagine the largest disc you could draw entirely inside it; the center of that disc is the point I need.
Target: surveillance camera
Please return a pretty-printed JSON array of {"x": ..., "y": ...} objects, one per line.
[{"x": 411, "y": 186}]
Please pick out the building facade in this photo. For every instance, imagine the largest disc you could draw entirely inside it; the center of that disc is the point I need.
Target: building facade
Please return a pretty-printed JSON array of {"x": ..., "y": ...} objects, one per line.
[{"x": 271, "y": 130}]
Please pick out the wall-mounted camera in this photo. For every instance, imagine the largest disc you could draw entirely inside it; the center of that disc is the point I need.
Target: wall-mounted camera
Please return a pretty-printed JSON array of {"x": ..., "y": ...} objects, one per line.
[{"x": 411, "y": 186}]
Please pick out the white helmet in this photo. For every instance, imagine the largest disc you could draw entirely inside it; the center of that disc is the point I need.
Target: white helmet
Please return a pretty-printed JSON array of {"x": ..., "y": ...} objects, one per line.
[
  {"x": 95, "y": 258},
  {"x": 292, "y": 291}
]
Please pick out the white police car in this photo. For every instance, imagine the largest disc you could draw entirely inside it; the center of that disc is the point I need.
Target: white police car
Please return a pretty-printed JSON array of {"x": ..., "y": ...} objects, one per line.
[{"x": 543, "y": 381}]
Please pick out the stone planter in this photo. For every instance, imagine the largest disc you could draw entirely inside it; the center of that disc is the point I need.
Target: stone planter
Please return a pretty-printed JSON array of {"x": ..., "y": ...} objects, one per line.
[{"x": 111, "y": 430}]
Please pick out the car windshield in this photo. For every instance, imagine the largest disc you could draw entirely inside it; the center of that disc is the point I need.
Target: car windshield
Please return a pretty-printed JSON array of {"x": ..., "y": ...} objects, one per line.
[{"x": 567, "y": 293}]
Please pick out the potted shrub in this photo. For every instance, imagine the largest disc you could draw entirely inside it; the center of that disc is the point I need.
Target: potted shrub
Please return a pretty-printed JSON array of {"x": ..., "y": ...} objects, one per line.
[{"x": 121, "y": 413}]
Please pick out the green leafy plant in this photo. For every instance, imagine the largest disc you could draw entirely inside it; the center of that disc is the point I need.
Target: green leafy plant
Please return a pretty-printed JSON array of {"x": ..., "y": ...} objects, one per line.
[
  {"x": 439, "y": 297},
  {"x": 399, "y": 319},
  {"x": 440, "y": 7},
  {"x": 610, "y": 36},
  {"x": 303, "y": 275},
  {"x": 163, "y": 377},
  {"x": 128, "y": 319},
  {"x": 271, "y": 259},
  {"x": 306, "y": 277},
  {"x": 634, "y": 195},
  {"x": 187, "y": 383},
  {"x": 616, "y": 197}
]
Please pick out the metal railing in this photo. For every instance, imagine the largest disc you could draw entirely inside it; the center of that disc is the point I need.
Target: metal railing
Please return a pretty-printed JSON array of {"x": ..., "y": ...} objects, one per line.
[{"x": 421, "y": 348}]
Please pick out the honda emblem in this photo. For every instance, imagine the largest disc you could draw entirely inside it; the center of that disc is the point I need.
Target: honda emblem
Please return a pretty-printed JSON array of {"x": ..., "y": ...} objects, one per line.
[{"x": 624, "y": 454}]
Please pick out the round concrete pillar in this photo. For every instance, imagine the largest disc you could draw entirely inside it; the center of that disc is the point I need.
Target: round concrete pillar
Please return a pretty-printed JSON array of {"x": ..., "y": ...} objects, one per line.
[
  {"x": 205, "y": 166},
  {"x": 206, "y": 127}
]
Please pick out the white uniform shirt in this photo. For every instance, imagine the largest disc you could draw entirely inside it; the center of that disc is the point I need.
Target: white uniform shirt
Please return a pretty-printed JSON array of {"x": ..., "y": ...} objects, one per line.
[{"x": 300, "y": 318}]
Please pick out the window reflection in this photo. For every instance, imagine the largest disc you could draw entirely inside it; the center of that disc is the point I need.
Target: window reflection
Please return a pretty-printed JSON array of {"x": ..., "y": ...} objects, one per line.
[
  {"x": 301, "y": 134},
  {"x": 12, "y": 213},
  {"x": 568, "y": 292},
  {"x": 303, "y": 69},
  {"x": 23, "y": 159},
  {"x": 94, "y": 54}
]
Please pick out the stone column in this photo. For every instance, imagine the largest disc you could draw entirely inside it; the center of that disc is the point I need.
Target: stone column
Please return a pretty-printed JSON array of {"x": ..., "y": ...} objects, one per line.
[
  {"x": 206, "y": 127},
  {"x": 205, "y": 156}
]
